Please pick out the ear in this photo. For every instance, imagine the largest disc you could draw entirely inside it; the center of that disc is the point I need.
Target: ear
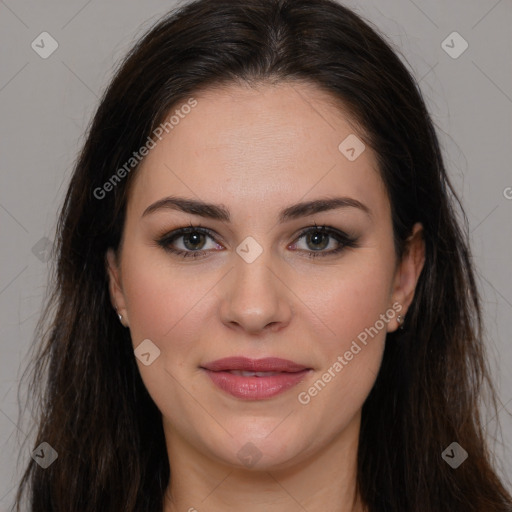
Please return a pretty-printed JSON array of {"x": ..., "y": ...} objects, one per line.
[
  {"x": 115, "y": 285},
  {"x": 408, "y": 272}
]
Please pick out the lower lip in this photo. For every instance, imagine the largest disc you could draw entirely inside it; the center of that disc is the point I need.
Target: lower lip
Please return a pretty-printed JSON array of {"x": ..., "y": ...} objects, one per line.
[{"x": 256, "y": 388}]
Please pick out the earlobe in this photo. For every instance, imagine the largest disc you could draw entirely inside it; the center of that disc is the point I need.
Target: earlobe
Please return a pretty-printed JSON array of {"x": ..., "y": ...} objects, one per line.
[{"x": 115, "y": 286}]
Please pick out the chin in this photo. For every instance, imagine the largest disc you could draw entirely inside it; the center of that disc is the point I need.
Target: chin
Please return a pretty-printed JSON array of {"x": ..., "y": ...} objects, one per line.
[{"x": 260, "y": 451}]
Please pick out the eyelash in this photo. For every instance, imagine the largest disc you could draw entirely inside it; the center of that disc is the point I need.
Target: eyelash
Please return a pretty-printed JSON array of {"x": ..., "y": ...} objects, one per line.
[{"x": 342, "y": 238}]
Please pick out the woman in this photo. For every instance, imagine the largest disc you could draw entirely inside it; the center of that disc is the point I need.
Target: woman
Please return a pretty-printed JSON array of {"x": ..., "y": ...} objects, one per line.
[{"x": 263, "y": 299}]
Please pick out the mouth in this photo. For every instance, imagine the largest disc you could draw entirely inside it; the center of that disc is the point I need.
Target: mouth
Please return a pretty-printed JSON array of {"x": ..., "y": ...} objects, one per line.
[{"x": 255, "y": 379}]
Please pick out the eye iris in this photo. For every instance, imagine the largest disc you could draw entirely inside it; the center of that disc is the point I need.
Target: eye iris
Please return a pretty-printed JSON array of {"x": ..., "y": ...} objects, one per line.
[
  {"x": 196, "y": 239},
  {"x": 316, "y": 237}
]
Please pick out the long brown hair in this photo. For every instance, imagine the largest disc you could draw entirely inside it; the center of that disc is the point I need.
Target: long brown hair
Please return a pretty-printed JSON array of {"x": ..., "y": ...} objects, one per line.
[{"x": 90, "y": 400}]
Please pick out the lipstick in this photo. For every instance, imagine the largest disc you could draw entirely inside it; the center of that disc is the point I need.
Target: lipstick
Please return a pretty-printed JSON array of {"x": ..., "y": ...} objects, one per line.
[{"x": 255, "y": 379}]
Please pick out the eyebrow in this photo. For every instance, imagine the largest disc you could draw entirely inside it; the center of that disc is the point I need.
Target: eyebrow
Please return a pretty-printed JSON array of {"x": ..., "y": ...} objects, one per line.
[{"x": 220, "y": 212}]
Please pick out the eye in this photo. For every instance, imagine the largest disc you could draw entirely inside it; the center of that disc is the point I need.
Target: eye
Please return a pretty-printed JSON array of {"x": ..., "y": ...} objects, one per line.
[
  {"x": 193, "y": 239},
  {"x": 319, "y": 238}
]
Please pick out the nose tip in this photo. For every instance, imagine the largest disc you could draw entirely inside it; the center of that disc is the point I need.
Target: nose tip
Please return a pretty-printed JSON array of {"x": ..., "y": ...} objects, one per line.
[{"x": 254, "y": 299}]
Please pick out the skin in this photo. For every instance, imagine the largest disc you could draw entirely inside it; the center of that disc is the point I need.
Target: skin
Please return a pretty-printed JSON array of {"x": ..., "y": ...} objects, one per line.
[{"x": 257, "y": 151}]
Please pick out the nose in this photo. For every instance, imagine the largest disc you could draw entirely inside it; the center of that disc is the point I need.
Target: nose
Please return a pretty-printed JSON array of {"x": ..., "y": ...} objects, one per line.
[{"x": 255, "y": 298}]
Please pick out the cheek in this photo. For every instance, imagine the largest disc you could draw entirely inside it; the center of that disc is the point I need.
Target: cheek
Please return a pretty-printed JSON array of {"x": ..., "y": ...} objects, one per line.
[
  {"x": 164, "y": 306},
  {"x": 160, "y": 300},
  {"x": 350, "y": 348},
  {"x": 351, "y": 299},
  {"x": 171, "y": 307}
]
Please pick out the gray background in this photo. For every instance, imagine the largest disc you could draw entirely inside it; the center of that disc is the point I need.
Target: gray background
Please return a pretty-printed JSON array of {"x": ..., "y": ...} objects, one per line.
[{"x": 46, "y": 105}]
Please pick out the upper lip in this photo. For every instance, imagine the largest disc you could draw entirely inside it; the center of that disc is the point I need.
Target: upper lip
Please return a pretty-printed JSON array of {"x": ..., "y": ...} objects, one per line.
[{"x": 267, "y": 364}]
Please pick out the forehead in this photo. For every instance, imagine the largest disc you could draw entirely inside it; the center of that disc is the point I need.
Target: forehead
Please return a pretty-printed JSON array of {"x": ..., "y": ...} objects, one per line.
[{"x": 241, "y": 146}]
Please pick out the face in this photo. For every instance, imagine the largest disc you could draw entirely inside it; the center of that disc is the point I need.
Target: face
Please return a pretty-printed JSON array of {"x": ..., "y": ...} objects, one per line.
[{"x": 258, "y": 277}]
